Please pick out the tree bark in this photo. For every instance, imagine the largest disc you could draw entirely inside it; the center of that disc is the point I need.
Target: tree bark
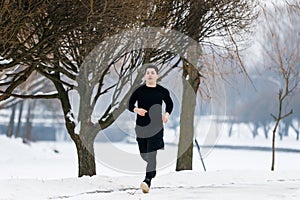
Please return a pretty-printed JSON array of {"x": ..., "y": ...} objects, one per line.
[
  {"x": 190, "y": 87},
  {"x": 86, "y": 156},
  {"x": 273, "y": 145},
  {"x": 84, "y": 145},
  {"x": 28, "y": 125},
  {"x": 11, "y": 124},
  {"x": 185, "y": 146},
  {"x": 17, "y": 134}
]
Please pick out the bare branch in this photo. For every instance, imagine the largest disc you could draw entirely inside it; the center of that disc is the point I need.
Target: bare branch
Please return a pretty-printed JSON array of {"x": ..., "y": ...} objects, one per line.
[
  {"x": 34, "y": 96},
  {"x": 287, "y": 114}
]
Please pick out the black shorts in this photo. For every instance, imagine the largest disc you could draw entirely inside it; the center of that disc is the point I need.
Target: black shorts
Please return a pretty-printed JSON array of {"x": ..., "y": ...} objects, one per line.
[{"x": 151, "y": 144}]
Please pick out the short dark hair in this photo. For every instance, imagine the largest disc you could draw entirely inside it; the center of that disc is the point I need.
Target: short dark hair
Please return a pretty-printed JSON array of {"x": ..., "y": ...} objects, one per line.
[{"x": 150, "y": 66}]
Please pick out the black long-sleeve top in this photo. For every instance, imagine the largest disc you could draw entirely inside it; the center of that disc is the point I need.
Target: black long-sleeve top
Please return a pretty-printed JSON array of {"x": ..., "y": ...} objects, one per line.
[{"x": 150, "y": 99}]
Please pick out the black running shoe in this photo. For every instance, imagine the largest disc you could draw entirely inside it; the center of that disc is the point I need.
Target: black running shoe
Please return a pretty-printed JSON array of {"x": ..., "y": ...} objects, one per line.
[{"x": 145, "y": 185}]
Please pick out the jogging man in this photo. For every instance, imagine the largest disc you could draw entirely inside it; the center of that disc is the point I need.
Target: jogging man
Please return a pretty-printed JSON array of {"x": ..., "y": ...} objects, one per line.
[{"x": 149, "y": 121}]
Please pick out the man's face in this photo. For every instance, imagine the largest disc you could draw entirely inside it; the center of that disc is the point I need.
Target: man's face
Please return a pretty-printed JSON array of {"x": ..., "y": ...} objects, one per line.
[{"x": 151, "y": 76}]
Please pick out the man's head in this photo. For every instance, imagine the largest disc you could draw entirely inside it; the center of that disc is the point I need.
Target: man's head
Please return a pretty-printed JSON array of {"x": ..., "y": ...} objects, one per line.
[
  {"x": 151, "y": 74},
  {"x": 151, "y": 66}
]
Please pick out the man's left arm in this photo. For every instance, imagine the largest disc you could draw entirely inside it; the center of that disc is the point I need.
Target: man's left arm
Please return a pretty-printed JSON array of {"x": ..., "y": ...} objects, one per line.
[
  {"x": 165, "y": 117},
  {"x": 169, "y": 106}
]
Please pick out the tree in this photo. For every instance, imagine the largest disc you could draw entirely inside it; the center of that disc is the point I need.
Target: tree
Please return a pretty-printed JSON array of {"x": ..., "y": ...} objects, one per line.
[
  {"x": 253, "y": 109},
  {"x": 203, "y": 22},
  {"x": 54, "y": 38},
  {"x": 95, "y": 65},
  {"x": 282, "y": 49},
  {"x": 32, "y": 85}
]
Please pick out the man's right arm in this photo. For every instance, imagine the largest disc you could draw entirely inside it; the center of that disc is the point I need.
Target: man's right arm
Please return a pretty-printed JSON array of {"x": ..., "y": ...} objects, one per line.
[
  {"x": 132, "y": 100},
  {"x": 132, "y": 107}
]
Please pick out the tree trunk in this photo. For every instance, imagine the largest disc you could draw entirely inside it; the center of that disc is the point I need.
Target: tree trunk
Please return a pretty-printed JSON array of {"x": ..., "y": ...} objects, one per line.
[
  {"x": 273, "y": 145},
  {"x": 17, "y": 134},
  {"x": 277, "y": 120},
  {"x": 230, "y": 129},
  {"x": 11, "y": 124},
  {"x": 27, "y": 136},
  {"x": 296, "y": 130},
  {"x": 256, "y": 130},
  {"x": 286, "y": 129},
  {"x": 84, "y": 140},
  {"x": 185, "y": 146},
  {"x": 279, "y": 117},
  {"x": 190, "y": 87},
  {"x": 86, "y": 157},
  {"x": 266, "y": 130}
]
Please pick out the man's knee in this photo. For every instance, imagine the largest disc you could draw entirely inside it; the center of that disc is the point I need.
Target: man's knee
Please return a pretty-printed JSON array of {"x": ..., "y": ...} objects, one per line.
[
  {"x": 144, "y": 156},
  {"x": 149, "y": 157}
]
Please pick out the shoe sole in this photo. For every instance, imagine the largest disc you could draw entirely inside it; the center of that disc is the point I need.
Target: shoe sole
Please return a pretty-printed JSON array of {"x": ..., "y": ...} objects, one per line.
[{"x": 144, "y": 187}]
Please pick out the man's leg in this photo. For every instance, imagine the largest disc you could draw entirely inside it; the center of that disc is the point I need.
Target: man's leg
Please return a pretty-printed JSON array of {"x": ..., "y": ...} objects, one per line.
[
  {"x": 147, "y": 154},
  {"x": 150, "y": 158},
  {"x": 153, "y": 144},
  {"x": 148, "y": 150},
  {"x": 151, "y": 164},
  {"x": 142, "y": 143}
]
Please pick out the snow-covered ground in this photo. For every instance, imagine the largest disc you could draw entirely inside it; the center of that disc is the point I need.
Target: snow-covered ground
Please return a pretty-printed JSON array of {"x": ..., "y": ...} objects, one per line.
[
  {"x": 48, "y": 170},
  {"x": 247, "y": 185}
]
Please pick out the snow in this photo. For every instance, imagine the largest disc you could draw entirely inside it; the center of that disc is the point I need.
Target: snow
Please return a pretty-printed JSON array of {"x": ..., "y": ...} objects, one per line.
[
  {"x": 70, "y": 116},
  {"x": 4, "y": 61},
  {"x": 46, "y": 93},
  {"x": 182, "y": 185},
  {"x": 48, "y": 170}
]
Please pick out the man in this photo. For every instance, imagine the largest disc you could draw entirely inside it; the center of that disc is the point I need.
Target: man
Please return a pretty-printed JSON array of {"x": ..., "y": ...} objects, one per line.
[{"x": 149, "y": 121}]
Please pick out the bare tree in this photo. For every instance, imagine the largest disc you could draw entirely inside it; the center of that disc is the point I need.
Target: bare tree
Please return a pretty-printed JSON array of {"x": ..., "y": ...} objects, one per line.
[
  {"x": 54, "y": 38},
  {"x": 203, "y": 22},
  {"x": 282, "y": 51}
]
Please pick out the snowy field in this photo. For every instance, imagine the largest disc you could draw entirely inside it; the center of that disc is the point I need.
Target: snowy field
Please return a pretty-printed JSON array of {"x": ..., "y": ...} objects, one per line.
[{"x": 48, "y": 170}]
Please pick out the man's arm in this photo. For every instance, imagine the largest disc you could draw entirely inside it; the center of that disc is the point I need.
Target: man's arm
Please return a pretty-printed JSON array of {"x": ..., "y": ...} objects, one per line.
[
  {"x": 132, "y": 100},
  {"x": 140, "y": 111},
  {"x": 165, "y": 117},
  {"x": 169, "y": 103},
  {"x": 132, "y": 107},
  {"x": 169, "y": 106}
]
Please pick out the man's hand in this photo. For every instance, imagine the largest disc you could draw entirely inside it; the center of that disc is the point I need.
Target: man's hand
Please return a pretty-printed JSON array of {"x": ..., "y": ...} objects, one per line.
[
  {"x": 165, "y": 117},
  {"x": 140, "y": 111}
]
